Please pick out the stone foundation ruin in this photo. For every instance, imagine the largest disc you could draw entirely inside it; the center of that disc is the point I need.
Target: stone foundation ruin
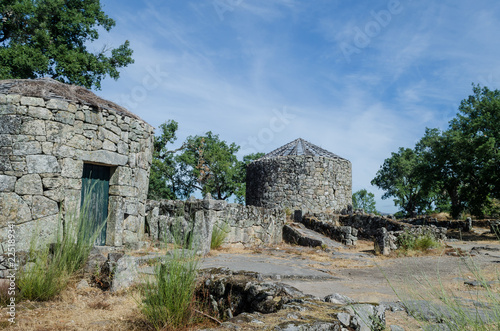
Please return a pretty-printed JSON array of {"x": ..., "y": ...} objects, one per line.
[{"x": 248, "y": 225}]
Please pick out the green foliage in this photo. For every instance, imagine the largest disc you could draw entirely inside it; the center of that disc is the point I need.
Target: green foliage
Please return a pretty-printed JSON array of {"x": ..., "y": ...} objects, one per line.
[
  {"x": 52, "y": 268},
  {"x": 365, "y": 200},
  {"x": 410, "y": 242},
  {"x": 169, "y": 296},
  {"x": 50, "y": 37},
  {"x": 493, "y": 211},
  {"x": 212, "y": 165},
  {"x": 168, "y": 178},
  {"x": 204, "y": 163},
  {"x": 42, "y": 280},
  {"x": 400, "y": 179},
  {"x": 219, "y": 233},
  {"x": 453, "y": 170}
]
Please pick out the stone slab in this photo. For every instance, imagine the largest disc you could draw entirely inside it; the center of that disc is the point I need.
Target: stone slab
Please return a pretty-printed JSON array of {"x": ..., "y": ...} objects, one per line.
[{"x": 267, "y": 266}]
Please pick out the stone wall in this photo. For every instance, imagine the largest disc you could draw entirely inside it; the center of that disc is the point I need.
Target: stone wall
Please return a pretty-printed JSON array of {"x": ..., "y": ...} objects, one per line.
[
  {"x": 44, "y": 143},
  {"x": 466, "y": 225},
  {"x": 308, "y": 183},
  {"x": 245, "y": 224},
  {"x": 368, "y": 224}
]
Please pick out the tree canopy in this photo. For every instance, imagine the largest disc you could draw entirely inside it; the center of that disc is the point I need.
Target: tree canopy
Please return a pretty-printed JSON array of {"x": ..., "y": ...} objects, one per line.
[
  {"x": 399, "y": 178},
  {"x": 365, "y": 200},
  {"x": 41, "y": 38},
  {"x": 212, "y": 165},
  {"x": 457, "y": 170},
  {"x": 205, "y": 163},
  {"x": 168, "y": 178}
]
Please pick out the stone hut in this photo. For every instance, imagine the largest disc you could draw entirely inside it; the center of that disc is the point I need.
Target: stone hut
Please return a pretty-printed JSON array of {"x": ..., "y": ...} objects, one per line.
[
  {"x": 300, "y": 176},
  {"x": 59, "y": 143}
]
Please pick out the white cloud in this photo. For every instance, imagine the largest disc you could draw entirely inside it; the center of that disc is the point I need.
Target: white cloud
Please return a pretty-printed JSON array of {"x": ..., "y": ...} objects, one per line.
[{"x": 228, "y": 75}]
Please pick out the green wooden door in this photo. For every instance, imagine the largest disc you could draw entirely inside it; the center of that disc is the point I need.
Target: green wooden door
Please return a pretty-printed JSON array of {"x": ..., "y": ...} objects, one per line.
[{"x": 95, "y": 189}]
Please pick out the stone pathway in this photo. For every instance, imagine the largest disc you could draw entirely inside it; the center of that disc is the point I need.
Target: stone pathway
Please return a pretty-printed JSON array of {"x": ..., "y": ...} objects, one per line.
[
  {"x": 364, "y": 284},
  {"x": 269, "y": 267}
]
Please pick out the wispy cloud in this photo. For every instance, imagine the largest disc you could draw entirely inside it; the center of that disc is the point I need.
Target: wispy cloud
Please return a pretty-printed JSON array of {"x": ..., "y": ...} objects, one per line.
[{"x": 232, "y": 75}]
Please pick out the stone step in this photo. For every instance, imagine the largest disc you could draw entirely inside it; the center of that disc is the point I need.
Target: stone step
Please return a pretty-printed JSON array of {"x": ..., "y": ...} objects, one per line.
[{"x": 298, "y": 234}]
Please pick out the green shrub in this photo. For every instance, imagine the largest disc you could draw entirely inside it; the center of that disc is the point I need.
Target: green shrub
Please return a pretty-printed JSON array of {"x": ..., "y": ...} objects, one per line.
[
  {"x": 423, "y": 243},
  {"x": 41, "y": 279},
  {"x": 411, "y": 242},
  {"x": 169, "y": 296},
  {"x": 219, "y": 234},
  {"x": 50, "y": 267}
]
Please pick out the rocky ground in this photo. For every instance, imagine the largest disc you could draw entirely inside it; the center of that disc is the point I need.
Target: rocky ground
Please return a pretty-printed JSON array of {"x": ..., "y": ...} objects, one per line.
[{"x": 293, "y": 288}]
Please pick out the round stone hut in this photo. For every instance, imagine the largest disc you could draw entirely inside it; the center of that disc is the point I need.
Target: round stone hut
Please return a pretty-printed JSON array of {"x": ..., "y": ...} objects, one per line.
[
  {"x": 60, "y": 145},
  {"x": 300, "y": 176}
]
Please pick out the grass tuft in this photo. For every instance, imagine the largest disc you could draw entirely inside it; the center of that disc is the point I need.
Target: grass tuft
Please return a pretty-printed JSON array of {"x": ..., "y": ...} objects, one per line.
[
  {"x": 168, "y": 297},
  {"x": 411, "y": 242},
  {"x": 50, "y": 268},
  {"x": 219, "y": 234}
]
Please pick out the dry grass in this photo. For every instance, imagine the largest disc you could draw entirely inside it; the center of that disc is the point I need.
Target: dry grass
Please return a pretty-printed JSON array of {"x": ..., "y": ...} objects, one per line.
[
  {"x": 92, "y": 309},
  {"x": 49, "y": 88},
  {"x": 402, "y": 319},
  {"x": 442, "y": 216},
  {"x": 87, "y": 309}
]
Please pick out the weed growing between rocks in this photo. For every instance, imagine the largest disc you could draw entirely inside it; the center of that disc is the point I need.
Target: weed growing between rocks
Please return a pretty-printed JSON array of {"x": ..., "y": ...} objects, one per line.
[
  {"x": 168, "y": 298},
  {"x": 219, "y": 234},
  {"x": 411, "y": 242},
  {"x": 49, "y": 268}
]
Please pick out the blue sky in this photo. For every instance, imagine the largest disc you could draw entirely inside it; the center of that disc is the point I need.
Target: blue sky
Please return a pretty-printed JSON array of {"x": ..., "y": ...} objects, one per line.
[{"x": 358, "y": 78}]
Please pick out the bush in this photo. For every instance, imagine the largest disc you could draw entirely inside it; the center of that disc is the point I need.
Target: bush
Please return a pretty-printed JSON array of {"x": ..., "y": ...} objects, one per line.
[
  {"x": 168, "y": 297},
  {"x": 49, "y": 269},
  {"x": 411, "y": 242}
]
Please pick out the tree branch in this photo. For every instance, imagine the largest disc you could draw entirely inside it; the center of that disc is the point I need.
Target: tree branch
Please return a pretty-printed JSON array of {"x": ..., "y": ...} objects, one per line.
[
  {"x": 176, "y": 150},
  {"x": 208, "y": 316}
]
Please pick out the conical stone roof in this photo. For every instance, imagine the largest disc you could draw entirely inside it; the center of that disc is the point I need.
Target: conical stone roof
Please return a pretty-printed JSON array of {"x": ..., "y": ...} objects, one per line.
[{"x": 301, "y": 147}]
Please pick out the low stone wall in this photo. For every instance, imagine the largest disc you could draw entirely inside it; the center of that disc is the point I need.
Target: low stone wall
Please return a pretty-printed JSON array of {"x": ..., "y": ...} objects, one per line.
[
  {"x": 384, "y": 231},
  {"x": 387, "y": 241},
  {"x": 450, "y": 224},
  {"x": 245, "y": 224},
  {"x": 368, "y": 224}
]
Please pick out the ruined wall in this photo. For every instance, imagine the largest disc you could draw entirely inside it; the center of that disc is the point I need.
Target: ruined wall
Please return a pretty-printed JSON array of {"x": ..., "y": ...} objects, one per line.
[
  {"x": 308, "y": 183},
  {"x": 246, "y": 224},
  {"x": 44, "y": 143}
]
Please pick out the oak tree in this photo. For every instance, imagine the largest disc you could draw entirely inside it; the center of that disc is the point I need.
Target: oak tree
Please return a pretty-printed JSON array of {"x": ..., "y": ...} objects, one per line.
[{"x": 50, "y": 38}]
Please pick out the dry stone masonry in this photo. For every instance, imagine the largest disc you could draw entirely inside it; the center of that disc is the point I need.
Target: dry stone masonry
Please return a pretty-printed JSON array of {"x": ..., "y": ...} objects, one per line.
[
  {"x": 49, "y": 134},
  {"x": 244, "y": 224},
  {"x": 300, "y": 176}
]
